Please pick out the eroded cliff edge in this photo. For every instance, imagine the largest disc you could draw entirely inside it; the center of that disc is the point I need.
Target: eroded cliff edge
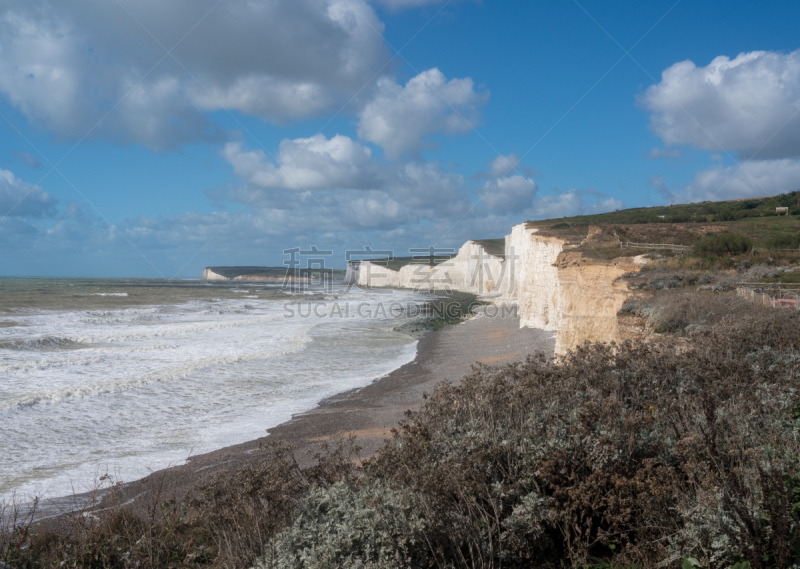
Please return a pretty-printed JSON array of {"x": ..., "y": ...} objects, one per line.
[{"x": 553, "y": 287}]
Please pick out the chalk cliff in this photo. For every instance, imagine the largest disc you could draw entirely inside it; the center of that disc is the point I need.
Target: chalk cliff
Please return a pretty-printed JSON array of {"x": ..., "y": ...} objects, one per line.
[
  {"x": 471, "y": 270},
  {"x": 267, "y": 274},
  {"x": 533, "y": 277},
  {"x": 209, "y": 275},
  {"x": 553, "y": 288}
]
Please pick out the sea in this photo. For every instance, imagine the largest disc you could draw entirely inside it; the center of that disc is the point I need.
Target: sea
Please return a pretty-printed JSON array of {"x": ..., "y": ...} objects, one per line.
[{"x": 105, "y": 379}]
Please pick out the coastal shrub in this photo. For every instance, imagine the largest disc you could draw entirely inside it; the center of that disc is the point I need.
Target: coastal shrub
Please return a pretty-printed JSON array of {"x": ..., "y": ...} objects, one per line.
[
  {"x": 640, "y": 453},
  {"x": 759, "y": 272},
  {"x": 362, "y": 526},
  {"x": 243, "y": 511},
  {"x": 685, "y": 313},
  {"x": 722, "y": 244}
]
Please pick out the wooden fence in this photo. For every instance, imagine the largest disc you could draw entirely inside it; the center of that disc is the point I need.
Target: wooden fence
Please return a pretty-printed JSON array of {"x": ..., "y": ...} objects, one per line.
[
  {"x": 661, "y": 246},
  {"x": 770, "y": 295},
  {"x": 652, "y": 246}
]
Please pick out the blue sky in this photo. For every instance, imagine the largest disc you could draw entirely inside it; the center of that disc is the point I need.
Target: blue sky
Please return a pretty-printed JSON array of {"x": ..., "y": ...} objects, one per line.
[{"x": 150, "y": 139}]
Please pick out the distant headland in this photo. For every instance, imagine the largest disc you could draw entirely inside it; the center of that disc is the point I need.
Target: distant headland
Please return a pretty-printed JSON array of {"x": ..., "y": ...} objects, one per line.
[{"x": 270, "y": 274}]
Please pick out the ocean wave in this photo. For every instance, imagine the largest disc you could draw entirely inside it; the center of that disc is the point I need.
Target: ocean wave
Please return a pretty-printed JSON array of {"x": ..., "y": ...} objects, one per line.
[
  {"x": 97, "y": 355},
  {"x": 43, "y": 343},
  {"x": 97, "y": 389},
  {"x": 110, "y": 294},
  {"x": 48, "y": 364},
  {"x": 177, "y": 329}
]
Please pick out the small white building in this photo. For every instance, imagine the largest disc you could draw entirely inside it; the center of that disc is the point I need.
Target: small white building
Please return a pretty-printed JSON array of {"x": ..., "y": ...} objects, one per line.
[{"x": 782, "y": 210}]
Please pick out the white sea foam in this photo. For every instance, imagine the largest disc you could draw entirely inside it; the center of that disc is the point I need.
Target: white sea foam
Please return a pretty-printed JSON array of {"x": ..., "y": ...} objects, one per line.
[
  {"x": 176, "y": 373},
  {"x": 129, "y": 388}
]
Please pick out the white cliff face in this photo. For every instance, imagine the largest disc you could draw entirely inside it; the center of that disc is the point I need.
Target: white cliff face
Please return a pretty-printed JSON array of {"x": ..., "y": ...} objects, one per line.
[
  {"x": 472, "y": 270},
  {"x": 554, "y": 290},
  {"x": 532, "y": 277},
  {"x": 209, "y": 275}
]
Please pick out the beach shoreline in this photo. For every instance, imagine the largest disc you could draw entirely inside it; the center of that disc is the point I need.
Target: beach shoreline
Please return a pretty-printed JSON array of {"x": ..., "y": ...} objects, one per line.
[{"x": 369, "y": 413}]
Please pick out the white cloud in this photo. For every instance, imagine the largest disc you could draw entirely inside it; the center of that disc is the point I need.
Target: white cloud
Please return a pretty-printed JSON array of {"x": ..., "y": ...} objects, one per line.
[
  {"x": 573, "y": 202},
  {"x": 744, "y": 180},
  {"x": 306, "y": 164},
  {"x": 503, "y": 165},
  {"x": 749, "y": 105},
  {"x": 347, "y": 184},
  {"x": 507, "y": 194},
  {"x": 65, "y": 67},
  {"x": 18, "y": 199},
  {"x": 505, "y": 190},
  {"x": 400, "y": 119}
]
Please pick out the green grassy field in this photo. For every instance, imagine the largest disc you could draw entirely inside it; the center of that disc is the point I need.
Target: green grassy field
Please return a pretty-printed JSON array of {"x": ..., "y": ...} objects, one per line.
[
  {"x": 684, "y": 224},
  {"x": 703, "y": 212}
]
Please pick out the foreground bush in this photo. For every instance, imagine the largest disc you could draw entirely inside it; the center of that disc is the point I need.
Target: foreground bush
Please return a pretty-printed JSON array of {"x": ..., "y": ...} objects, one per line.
[
  {"x": 369, "y": 526},
  {"x": 640, "y": 454}
]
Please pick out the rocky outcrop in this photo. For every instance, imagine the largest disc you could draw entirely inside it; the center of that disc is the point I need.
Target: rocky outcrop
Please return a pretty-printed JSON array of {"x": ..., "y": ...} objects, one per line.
[{"x": 590, "y": 294}]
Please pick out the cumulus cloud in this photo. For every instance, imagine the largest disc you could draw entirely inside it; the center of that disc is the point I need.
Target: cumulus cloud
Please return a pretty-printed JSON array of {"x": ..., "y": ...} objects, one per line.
[
  {"x": 427, "y": 191},
  {"x": 71, "y": 68},
  {"x": 18, "y": 199},
  {"x": 505, "y": 190},
  {"x": 346, "y": 183},
  {"x": 305, "y": 164},
  {"x": 503, "y": 165},
  {"x": 573, "y": 202},
  {"x": 509, "y": 193},
  {"x": 749, "y": 105},
  {"x": 750, "y": 178},
  {"x": 400, "y": 119}
]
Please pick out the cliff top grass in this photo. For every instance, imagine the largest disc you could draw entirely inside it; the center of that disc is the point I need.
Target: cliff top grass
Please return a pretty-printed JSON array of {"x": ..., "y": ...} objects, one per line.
[
  {"x": 702, "y": 212},
  {"x": 496, "y": 247},
  {"x": 684, "y": 224}
]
